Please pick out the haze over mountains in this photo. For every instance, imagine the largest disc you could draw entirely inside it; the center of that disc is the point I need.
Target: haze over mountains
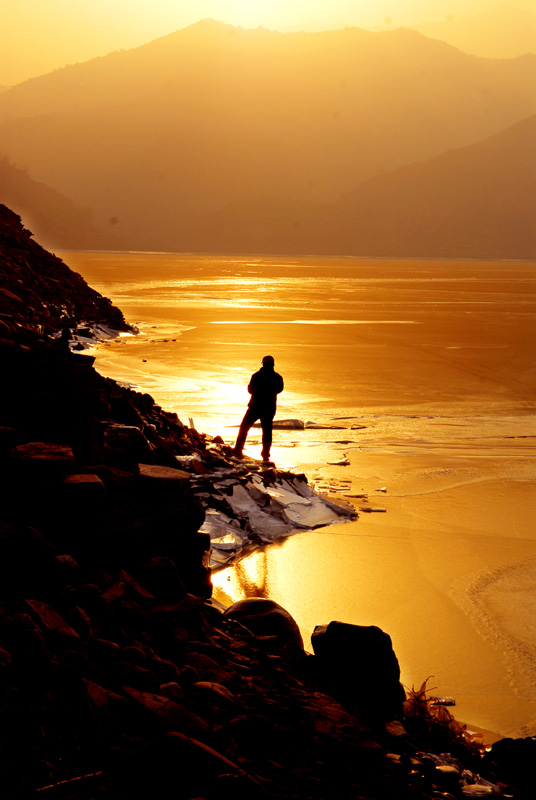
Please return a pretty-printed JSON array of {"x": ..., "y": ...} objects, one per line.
[
  {"x": 222, "y": 139},
  {"x": 53, "y": 218},
  {"x": 499, "y": 33}
]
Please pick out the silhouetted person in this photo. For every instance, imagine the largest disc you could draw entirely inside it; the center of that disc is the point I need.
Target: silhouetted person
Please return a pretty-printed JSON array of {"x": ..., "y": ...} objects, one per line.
[{"x": 264, "y": 387}]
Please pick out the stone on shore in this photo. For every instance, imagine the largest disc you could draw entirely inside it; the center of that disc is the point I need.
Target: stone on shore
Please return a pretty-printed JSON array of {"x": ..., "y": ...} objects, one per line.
[
  {"x": 265, "y": 617},
  {"x": 358, "y": 663}
]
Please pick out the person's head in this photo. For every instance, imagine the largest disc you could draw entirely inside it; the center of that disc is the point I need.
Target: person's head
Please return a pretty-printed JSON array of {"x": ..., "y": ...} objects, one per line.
[{"x": 268, "y": 361}]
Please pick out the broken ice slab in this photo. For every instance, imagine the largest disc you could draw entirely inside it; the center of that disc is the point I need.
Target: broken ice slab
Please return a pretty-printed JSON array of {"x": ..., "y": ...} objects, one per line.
[
  {"x": 443, "y": 701},
  {"x": 315, "y": 514},
  {"x": 185, "y": 461},
  {"x": 301, "y": 486},
  {"x": 244, "y": 505},
  {"x": 265, "y": 526},
  {"x": 319, "y": 426},
  {"x": 300, "y": 425},
  {"x": 342, "y": 462},
  {"x": 224, "y": 532},
  {"x": 219, "y": 524},
  {"x": 281, "y": 492},
  {"x": 372, "y": 510},
  {"x": 285, "y": 424},
  {"x": 268, "y": 527},
  {"x": 226, "y": 537},
  {"x": 241, "y": 501},
  {"x": 220, "y": 558}
]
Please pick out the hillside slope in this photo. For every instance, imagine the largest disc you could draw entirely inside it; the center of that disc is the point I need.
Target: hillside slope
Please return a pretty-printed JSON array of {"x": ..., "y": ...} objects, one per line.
[
  {"x": 475, "y": 202},
  {"x": 39, "y": 290},
  {"x": 56, "y": 221}
]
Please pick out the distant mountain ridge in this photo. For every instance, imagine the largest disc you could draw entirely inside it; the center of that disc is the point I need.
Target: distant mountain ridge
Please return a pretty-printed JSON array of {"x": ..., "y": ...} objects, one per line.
[
  {"x": 162, "y": 141},
  {"x": 473, "y": 202},
  {"x": 478, "y": 201},
  {"x": 502, "y": 32}
]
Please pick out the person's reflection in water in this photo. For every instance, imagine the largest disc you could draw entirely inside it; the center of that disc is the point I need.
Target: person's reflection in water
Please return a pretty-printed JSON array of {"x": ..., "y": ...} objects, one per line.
[{"x": 264, "y": 387}]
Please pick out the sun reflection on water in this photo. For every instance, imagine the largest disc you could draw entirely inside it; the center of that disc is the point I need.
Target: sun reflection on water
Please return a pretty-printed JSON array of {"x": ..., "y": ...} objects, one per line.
[{"x": 247, "y": 578}]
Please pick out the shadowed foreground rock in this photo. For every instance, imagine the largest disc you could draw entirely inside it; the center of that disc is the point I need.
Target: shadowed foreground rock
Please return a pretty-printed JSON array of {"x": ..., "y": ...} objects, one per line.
[{"x": 119, "y": 677}]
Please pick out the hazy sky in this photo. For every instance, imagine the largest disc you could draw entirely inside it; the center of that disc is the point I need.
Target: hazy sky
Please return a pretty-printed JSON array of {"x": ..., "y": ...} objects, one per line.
[{"x": 37, "y": 36}]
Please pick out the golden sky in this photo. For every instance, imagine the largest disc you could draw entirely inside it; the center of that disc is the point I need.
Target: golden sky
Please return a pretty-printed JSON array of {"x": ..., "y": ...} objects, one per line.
[{"x": 38, "y": 36}]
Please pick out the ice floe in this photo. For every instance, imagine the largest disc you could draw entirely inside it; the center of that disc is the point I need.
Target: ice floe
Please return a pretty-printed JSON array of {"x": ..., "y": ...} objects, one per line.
[{"x": 247, "y": 504}]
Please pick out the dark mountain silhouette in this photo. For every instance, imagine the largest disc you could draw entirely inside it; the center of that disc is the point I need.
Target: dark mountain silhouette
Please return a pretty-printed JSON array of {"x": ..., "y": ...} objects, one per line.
[
  {"x": 158, "y": 140},
  {"x": 476, "y": 202},
  {"x": 498, "y": 33},
  {"x": 53, "y": 218}
]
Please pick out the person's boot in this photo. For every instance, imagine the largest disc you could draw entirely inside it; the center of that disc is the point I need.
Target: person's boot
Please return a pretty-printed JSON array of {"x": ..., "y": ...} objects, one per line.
[{"x": 266, "y": 458}]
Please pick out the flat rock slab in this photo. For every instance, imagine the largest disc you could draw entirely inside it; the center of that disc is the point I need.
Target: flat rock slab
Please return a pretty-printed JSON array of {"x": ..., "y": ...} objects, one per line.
[
  {"x": 175, "y": 714},
  {"x": 157, "y": 473},
  {"x": 50, "y": 621},
  {"x": 44, "y": 452},
  {"x": 84, "y": 485}
]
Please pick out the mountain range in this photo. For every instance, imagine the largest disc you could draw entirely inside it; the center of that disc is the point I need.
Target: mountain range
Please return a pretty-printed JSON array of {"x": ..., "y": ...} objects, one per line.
[
  {"x": 502, "y": 32},
  {"x": 217, "y": 138}
]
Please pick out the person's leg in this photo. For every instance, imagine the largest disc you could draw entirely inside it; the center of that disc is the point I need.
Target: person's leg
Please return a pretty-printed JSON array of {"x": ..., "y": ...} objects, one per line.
[
  {"x": 249, "y": 418},
  {"x": 266, "y": 423}
]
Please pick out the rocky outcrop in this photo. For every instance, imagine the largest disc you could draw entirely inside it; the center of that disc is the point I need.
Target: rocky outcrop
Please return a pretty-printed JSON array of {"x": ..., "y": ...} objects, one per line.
[{"x": 39, "y": 291}]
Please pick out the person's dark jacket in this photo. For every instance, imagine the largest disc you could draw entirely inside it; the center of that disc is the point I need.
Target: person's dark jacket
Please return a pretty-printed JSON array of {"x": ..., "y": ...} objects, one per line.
[{"x": 264, "y": 387}]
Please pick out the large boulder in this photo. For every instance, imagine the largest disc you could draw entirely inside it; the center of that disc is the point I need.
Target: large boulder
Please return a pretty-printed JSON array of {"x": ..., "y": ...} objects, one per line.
[
  {"x": 360, "y": 668},
  {"x": 266, "y": 618}
]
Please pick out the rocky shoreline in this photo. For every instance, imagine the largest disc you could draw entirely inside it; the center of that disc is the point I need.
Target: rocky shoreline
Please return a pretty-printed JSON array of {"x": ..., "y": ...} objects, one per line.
[{"x": 120, "y": 676}]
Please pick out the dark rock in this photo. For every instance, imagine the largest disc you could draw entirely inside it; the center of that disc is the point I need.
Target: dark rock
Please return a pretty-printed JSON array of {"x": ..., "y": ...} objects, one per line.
[
  {"x": 172, "y": 714},
  {"x": 161, "y": 577},
  {"x": 266, "y": 618},
  {"x": 68, "y": 567},
  {"x": 27, "y": 563},
  {"x": 125, "y": 445},
  {"x": 172, "y": 690},
  {"x": 5, "y": 659},
  {"x": 43, "y": 457},
  {"x": 85, "y": 488},
  {"x": 81, "y": 622},
  {"x": 359, "y": 665},
  {"x": 103, "y": 650},
  {"x": 9, "y": 438},
  {"x": 167, "y": 477},
  {"x": 164, "y": 669},
  {"x": 134, "y": 655},
  {"x": 204, "y": 666},
  {"x": 513, "y": 760},
  {"x": 126, "y": 673},
  {"x": 50, "y": 621},
  {"x": 23, "y": 639},
  {"x": 205, "y": 773},
  {"x": 214, "y": 694}
]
